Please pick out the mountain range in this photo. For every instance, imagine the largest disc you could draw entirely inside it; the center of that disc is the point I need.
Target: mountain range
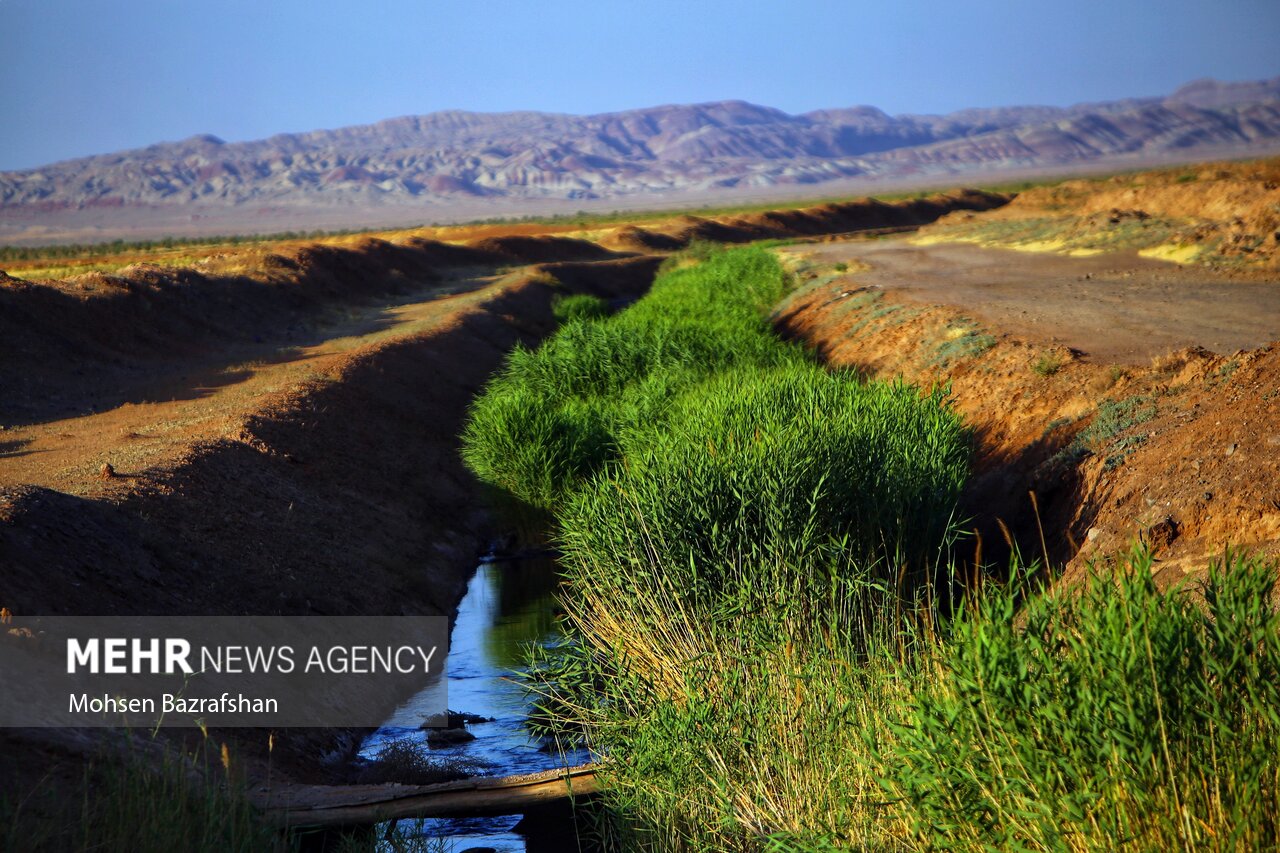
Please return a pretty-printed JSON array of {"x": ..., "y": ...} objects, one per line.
[{"x": 451, "y": 157}]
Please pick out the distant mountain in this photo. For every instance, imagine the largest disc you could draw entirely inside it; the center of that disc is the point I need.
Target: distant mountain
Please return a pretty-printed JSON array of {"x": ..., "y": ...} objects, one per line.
[{"x": 446, "y": 157}]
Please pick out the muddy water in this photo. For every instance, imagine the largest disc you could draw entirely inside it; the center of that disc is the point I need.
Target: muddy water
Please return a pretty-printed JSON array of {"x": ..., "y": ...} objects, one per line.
[{"x": 507, "y": 606}]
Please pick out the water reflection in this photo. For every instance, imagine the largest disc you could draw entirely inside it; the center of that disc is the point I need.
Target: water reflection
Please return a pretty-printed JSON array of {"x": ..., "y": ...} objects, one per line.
[
  {"x": 525, "y": 611},
  {"x": 507, "y": 607}
]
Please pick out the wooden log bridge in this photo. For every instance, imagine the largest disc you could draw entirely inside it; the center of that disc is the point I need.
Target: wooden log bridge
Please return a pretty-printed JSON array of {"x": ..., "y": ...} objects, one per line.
[{"x": 317, "y": 806}]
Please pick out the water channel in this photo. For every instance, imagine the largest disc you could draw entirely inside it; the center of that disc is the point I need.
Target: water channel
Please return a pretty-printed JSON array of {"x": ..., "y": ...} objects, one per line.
[{"x": 507, "y": 606}]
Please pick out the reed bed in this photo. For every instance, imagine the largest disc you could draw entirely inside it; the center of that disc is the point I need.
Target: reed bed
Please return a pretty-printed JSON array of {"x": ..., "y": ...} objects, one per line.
[{"x": 766, "y": 641}]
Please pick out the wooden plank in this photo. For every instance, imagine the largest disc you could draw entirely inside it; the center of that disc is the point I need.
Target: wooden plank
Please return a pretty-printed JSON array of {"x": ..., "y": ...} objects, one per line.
[{"x": 351, "y": 805}]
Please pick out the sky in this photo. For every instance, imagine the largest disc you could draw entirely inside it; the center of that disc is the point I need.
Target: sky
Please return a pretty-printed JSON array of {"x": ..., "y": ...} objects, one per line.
[{"x": 83, "y": 77}]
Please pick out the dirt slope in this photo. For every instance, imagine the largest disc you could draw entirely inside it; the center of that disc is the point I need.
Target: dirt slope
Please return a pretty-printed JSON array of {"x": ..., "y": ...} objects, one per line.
[
  {"x": 827, "y": 219},
  {"x": 1181, "y": 449},
  {"x": 326, "y": 483},
  {"x": 1224, "y": 215}
]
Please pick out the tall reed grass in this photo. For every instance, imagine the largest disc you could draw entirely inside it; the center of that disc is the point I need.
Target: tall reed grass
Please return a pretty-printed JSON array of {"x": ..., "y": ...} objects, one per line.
[
  {"x": 787, "y": 467},
  {"x": 755, "y": 564},
  {"x": 553, "y": 416},
  {"x": 1106, "y": 716}
]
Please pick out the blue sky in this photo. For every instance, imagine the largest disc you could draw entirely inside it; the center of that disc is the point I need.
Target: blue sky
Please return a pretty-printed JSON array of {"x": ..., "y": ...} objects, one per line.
[{"x": 89, "y": 76}]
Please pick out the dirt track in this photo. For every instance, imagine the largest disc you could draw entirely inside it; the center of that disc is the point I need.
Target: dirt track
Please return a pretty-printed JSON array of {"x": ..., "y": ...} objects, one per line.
[
  {"x": 174, "y": 405},
  {"x": 1188, "y": 460},
  {"x": 1116, "y": 308}
]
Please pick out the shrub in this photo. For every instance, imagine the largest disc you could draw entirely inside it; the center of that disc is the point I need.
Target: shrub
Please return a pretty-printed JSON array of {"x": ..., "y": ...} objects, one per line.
[
  {"x": 1047, "y": 364},
  {"x": 578, "y": 306},
  {"x": 409, "y": 762},
  {"x": 962, "y": 344},
  {"x": 1112, "y": 418}
]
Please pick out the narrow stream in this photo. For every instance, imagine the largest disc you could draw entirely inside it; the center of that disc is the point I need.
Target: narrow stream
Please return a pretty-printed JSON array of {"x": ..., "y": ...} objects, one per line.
[{"x": 507, "y": 606}]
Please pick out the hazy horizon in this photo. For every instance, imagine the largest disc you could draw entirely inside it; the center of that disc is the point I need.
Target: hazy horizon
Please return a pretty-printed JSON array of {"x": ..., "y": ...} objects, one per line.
[{"x": 87, "y": 79}]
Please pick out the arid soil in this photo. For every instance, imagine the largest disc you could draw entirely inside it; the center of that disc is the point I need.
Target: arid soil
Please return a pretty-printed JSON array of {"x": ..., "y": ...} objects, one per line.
[
  {"x": 1088, "y": 384},
  {"x": 1115, "y": 307},
  {"x": 274, "y": 429},
  {"x": 1222, "y": 215}
]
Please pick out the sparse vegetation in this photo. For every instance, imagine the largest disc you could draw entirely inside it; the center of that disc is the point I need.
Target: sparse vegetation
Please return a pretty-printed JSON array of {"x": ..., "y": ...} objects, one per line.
[
  {"x": 961, "y": 343},
  {"x": 1225, "y": 372},
  {"x": 1047, "y": 364},
  {"x": 1112, "y": 418},
  {"x": 69, "y": 251},
  {"x": 1080, "y": 234}
]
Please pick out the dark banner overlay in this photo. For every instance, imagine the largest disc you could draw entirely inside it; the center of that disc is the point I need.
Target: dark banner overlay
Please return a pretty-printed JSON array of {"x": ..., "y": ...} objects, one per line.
[{"x": 274, "y": 671}]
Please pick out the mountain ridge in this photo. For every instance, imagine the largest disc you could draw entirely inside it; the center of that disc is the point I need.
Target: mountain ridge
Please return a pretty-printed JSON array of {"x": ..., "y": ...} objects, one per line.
[{"x": 437, "y": 158}]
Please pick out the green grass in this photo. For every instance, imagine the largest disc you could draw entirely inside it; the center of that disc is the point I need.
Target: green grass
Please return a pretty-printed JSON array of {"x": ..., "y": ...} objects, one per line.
[
  {"x": 965, "y": 342},
  {"x": 1112, "y": 716},
  {"x": 578, "y": 306},
  {"x": 762, "y": 634},
  {"x": 795, "y": 465},
  {"x": 708, "y": 477},
  {"x": 128, "y": 803},
  {"x": 1109, "y": 716},
  {"x": 556, "y": 415},
  {"x": 1047, "y": 364},
  {"x": 1112, "y": 418}
]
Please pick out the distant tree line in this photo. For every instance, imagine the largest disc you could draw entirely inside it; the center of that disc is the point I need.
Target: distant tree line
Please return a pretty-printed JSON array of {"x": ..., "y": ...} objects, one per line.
[{"x": 119, "y": 247}]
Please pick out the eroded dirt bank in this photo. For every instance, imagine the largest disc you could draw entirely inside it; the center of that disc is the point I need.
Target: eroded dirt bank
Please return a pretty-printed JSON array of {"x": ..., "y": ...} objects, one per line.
[
  {"x": 1179, "y": 448},
  {"x": 276, "y": 432},
  {"x": 334, "y": 489},
  {"x": 1222, "y": 215}
]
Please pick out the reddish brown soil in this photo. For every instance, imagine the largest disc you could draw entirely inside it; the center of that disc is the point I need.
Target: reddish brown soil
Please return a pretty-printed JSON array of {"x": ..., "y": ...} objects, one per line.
[
  {"x": 1118, "y": 308},
  {"x": 280, "y": 425},
  {"x": 1202, "y": 473},
  {"x": 1233, "y": 209}
]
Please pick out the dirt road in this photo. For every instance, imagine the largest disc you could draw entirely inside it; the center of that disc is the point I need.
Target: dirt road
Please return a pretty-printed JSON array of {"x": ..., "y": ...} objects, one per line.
[
  {"x": 1149, "y": 437},
  {"x": 169, "y": 407},
  {"x": 1117, "y": 308}
]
